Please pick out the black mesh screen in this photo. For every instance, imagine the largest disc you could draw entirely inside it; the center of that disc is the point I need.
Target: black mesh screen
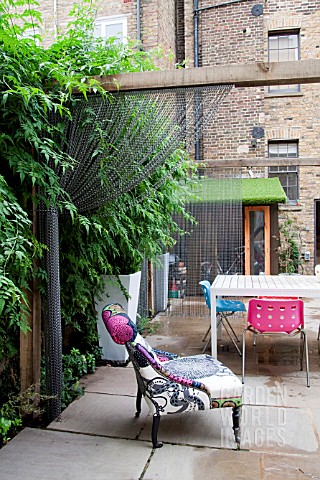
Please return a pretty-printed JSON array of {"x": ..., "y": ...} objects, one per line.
[{"x": 115, "y": 143}]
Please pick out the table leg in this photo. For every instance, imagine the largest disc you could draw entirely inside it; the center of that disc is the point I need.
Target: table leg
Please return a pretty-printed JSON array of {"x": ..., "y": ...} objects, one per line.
[{"x": 213, "y": 300}]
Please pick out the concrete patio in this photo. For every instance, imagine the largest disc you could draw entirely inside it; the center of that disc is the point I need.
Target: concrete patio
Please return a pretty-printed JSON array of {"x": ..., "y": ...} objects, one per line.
[{"x": 98, "y": 436}]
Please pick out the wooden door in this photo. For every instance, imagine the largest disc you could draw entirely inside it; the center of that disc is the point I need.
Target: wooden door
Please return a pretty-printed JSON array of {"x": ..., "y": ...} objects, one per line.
[{"x": 257, "y": 240}]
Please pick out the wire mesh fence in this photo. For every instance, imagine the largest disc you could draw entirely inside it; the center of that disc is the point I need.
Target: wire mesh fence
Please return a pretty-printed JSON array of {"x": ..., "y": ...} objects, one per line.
[
  {"x": 115, "y": 143},
  {"x": 212, "y": 245}
]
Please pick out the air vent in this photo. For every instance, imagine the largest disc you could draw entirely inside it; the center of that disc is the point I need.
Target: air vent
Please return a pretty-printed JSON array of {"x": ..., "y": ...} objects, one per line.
[
  {"x": 257, "y": 10},
  {"x": 257, "y": 132}
]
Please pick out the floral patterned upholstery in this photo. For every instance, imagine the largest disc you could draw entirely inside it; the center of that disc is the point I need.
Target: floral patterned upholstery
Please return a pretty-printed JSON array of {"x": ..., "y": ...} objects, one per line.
[{"x": 173, "y": 384}]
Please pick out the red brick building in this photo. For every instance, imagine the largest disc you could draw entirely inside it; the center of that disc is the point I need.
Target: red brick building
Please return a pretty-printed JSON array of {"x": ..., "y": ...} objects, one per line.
[{"x": 253, "y": 124}]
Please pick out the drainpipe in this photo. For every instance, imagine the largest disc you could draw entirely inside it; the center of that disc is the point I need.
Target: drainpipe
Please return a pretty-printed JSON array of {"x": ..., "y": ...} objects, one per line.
[
  {"x": 196, "y": 64},
  {"x": 196, "y": 33},
  {"x": 196, "y": 12},
  {"x": 139, "y": 24}
]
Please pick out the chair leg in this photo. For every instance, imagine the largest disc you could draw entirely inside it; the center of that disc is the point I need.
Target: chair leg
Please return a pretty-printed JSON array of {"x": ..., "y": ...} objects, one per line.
[
  {"x": 254, "y": 340},
  {"x": 318, "y": 337},
  {"x": 154, "y": 432},
  {"x": 243, "y": 352},
  {"x": 236, "y": 424},
  {"x": 232, "y": 339},
  {"x": 231, "y": 328},
  {"x": 209, "y": 329},
  {"x": 305, "y": 344},
  {"x": 207, "y": 333},
  {"x": 206, "y": 345},
  {"x": 138, "y": 402}
]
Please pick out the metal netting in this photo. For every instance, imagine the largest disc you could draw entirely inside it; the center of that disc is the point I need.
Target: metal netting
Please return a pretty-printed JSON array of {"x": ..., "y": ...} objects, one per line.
[
  {"x": 49, "y": 235},
  {"x": 115, "y": 144},
  {"x": 213, "y": 245},
  {"x": 119, "y": 141}
]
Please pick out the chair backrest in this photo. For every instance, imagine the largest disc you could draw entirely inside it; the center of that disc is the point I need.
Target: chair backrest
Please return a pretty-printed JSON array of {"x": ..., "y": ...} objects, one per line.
[
  {"x": 118, "y": 324},
  {"x": 205, "y": 285},
  {"x": 124, "y": 332},
  {"x": 281, "y": 298},
  {"x": 275, "y": 314}
]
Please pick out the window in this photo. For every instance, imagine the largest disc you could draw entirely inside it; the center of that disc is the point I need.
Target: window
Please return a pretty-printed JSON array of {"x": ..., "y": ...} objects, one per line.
[
  {"x": 288, "y": 175},
  {"x": 283, "y": 47},
  {"x": 111, "y": 27}
]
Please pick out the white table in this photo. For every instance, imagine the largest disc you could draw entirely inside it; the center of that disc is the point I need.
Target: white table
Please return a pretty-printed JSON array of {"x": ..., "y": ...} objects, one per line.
[{"x": 259, "y": 285}]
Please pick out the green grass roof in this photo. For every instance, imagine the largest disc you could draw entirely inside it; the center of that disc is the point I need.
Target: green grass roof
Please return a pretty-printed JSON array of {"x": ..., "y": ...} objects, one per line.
[{"x": 251, "y": 191}]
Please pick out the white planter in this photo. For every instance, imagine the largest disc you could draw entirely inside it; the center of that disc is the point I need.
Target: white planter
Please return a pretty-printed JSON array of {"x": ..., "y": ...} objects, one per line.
[
  {"x": 113, "y": 294},
  {"x": 161, "y": 284}
]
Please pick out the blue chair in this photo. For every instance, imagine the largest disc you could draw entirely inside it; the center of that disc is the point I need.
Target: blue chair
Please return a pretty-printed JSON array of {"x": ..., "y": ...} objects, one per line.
[{"x": 224, "y": 309}]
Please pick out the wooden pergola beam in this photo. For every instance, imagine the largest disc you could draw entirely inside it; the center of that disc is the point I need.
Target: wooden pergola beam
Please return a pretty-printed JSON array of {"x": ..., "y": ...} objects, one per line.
[
  {"x": 262, "y": 162},
  {"x": 240, "y": 75}
]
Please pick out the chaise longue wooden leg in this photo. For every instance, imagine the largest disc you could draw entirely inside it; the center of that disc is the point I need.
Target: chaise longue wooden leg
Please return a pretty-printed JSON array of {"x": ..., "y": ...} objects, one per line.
[
  {"x": 138, "y": 402},
  {"x": 154, "y": 433},
  {"x": 236, "y": 425}
]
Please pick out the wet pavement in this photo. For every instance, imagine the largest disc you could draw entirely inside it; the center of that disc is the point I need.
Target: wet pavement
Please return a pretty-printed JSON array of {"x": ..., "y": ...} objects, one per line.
[{"x": 98, "y": 436}]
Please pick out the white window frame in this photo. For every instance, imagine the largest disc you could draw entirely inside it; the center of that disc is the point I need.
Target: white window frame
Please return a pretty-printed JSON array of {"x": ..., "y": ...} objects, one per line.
[
  {"x": 285, "y": 171},
  {"x": 284, "y": 89},
  {"x": 103, "y": 22}
]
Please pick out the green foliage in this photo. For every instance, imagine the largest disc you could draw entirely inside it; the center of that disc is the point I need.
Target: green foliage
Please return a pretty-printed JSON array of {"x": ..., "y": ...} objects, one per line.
[
  {"x": 290, "y": 242},
  {"x": 10, "y": 422},
  {"x": 17, "y": 407},
  {"x": 145, "y": 326},
  {"x": 37, "y": 82},
  {"x": 17, "y": 248},
  {"x": 75, "y": 366}
]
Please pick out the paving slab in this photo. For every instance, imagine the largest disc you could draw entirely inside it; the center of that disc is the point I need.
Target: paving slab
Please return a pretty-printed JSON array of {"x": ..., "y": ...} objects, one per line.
[
  {"x": 189, "y": 463},
  {"x": 101, "y": 414},
  {"x": 112, "y": 380},
  {"x": 281, "y": 391},
  {"x": 210, "y": 428},
  {"x": 315, "y": 413},
  {"x": 293, "y": 467},
  {"x": 48, "y": 455},
  {"x": 264, "y": 390},
  {"x": 286, "y": 430}
]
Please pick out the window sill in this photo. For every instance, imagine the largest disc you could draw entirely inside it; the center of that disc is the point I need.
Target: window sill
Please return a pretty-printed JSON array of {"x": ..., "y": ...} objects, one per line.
[
  {"x": 287, "y": 94},
  {"x": 287, "y": 207}
]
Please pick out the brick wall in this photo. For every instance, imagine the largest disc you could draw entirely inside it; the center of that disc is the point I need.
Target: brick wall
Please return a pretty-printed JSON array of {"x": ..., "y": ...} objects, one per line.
[
  {"x": 180, "y": 32},
  {"x": 231, "y": 34},
  {"x": 158, "y": 29},
  {"x": 298, "y": 115},
  {"x": 157, "y": 22}
]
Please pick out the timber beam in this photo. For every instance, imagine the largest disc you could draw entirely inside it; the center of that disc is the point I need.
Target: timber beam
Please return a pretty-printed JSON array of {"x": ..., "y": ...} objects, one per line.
[
  {"x": 239, "y": 75},
  {"x": 262, "y": 162}
]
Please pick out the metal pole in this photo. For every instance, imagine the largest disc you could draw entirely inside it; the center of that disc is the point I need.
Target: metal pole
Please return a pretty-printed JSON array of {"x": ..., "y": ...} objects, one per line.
[{"x": 52, "y": 320}]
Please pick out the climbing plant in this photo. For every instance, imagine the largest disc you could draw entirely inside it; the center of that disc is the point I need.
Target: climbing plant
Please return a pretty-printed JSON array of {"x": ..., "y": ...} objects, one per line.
[
  {"x": 37, "y": 84},
  {"x": 290, "y": 245}
]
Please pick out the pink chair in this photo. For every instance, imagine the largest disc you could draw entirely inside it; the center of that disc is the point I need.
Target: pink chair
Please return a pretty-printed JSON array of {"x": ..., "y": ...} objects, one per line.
[{"x": 272, "y": 316}]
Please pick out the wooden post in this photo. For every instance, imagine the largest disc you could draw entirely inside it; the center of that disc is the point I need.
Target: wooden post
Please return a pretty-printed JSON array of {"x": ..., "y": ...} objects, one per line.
[
  {"x": 26, "y": 351},
  {"x": 30, "y": 342}
]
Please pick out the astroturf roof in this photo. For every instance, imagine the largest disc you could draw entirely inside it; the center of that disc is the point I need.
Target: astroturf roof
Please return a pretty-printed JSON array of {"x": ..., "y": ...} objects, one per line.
[{"x": 251, "y": 191}]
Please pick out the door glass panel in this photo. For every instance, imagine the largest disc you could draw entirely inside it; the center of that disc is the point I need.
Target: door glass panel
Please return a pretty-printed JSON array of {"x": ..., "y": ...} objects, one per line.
[{"x": 257, "y": 242}]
